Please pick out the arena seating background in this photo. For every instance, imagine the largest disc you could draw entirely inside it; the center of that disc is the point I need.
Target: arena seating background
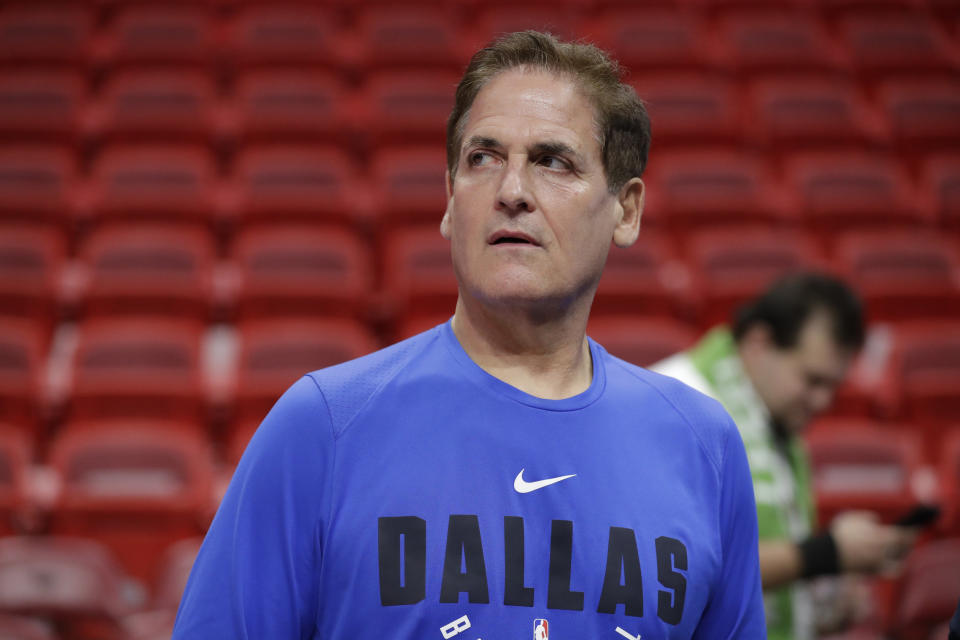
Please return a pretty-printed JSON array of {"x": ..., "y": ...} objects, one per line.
[{"x": 200, "y": 202}]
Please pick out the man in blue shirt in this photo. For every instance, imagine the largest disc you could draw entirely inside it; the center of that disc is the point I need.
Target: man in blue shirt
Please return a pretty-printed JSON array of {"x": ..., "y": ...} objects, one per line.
[{"x": 499, "y": 476}]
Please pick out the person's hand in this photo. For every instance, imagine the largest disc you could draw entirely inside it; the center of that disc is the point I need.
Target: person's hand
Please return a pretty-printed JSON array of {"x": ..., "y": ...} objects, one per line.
[{"x": 866, "y": 545}]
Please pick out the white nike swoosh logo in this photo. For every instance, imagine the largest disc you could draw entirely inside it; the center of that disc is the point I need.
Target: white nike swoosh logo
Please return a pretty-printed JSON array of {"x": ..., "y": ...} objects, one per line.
[{"x": 522, "y": 486}]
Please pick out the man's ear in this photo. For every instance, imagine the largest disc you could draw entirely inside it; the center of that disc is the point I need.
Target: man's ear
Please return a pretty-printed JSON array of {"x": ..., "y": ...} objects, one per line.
[
  {"x": 445, "y": 221},
  {"x": 629, "y": 209},
  {"x": 757, "y": 336}
]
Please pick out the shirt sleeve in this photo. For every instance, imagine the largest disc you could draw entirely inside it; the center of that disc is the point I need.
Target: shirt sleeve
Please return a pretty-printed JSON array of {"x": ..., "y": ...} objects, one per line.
[
  {"x": 256, "y": 575},
  {"x": 735, "y": 609}
]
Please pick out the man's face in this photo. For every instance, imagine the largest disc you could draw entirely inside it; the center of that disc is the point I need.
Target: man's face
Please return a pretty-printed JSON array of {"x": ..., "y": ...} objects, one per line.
[
  {"x": 798, "y": 383},
  {"x": 529, "y": 214}
]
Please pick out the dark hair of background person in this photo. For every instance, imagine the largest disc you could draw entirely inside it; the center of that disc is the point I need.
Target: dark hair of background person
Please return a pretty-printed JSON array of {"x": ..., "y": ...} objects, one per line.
[
  {"x": 786, "y": 306},
  {"x": 622, "y": 119}
]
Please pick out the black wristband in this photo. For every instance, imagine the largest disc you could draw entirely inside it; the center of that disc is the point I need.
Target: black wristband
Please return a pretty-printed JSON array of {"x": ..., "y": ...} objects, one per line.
[{"x": 818, "y": 555}]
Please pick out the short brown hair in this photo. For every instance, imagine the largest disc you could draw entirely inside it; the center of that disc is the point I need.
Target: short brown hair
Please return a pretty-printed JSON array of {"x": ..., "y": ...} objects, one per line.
[{"x": 622, "y": 119}]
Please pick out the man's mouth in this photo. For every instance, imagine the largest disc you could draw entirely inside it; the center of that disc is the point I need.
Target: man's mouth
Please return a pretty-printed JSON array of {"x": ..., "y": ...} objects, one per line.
[{"x": 511, "y": 237}]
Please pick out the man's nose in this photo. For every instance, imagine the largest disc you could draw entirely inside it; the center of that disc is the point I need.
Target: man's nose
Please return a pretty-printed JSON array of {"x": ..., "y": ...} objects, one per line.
[{"x": 514, "y": 194}]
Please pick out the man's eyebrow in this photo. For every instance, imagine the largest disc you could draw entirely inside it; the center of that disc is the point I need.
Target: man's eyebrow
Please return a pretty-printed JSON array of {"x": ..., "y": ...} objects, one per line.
[
  {"x": 554, "y": 149},
  {"x": 483, "y": 141}
]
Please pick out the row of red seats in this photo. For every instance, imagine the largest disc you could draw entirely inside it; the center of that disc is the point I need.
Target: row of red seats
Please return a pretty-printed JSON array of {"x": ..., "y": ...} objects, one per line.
[
  {"x": 412, "y": 105},
  {"x": 138, "y": 487},
  {"x": 162, "y": 368},
  {"x": 762, "y": 38},
  {"x": 826, "y": 190},
  {"x": 284, "y": 270},
  {"x": 73, "y": 589}
]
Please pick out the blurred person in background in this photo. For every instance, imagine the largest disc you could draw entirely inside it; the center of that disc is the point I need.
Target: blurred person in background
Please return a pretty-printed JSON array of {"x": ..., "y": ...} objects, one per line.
[
  {"x": 774, "y": 370},
  {"x": 480, "y": 479}
]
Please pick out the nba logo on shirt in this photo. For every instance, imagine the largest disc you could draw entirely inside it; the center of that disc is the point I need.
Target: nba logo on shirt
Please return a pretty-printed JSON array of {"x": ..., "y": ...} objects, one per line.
[{"x": 540, "y": 629}]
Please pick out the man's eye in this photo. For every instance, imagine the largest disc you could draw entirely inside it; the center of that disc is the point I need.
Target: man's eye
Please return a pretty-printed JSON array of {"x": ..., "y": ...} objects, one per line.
[
  {"x": 553, "y": 162},
  {"x": 478, "y": 158}
]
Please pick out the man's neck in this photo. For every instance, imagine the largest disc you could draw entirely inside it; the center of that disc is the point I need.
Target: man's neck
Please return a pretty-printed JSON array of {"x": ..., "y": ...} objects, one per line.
[{"x": 545, "y": 357}]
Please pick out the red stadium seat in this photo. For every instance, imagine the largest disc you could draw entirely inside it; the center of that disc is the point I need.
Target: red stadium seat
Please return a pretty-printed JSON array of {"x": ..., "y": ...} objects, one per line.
[
  {"x": 792, "y": 112},
  {"x": 838, "y": 8},
  {"x": 25, "y": 628},
  {"x": 732, "y": 266},
  {"x": 291, "y": 34},
  {"x": 41, "y": 105},
  {"x": 302, "y": 271},
  {"x": 75, "y": 583},
  {"x": 152, "y": 270},
  {"x": 409, "y": 36},
  {"x": 640, "y": 340},
  {"x": 846, "y": 189},
  {"x": 290, "y": 106},
  {"x": 31, "y": 262},
  {"x": 926, "y": 369},
  {"x": 162, "y": 106},
  {"x": 276, "y": 353},
  {"x": 654, "y": 39},
  {"x": 941, "y": 182},
  {"x": 409, "y": 184},
  {"x": 238, "y": 439},
  {"x": 139, "y": 367},
  {"x": 493, "y": 20},
  {"x": 415, "y": 323},
  {"x": 690, "y": 108},
  {"x": 645, "y": 279},
  {"x": 882, "y": 44},
  {"x": 157, "y": 34},
  {"x": 923, "y": 114},
  {"x": 418, "y": 276},
  {"x": 23, "y": 360},
  {"x": 156, "y": 623},
  {"x": 137, "y": 487},
  {"x": 157, "y": 182},
  {"x": 32, "y": 33},
  {"x": 37, "y": 182},
  {"x": 902, "y": 275},
  {"x": 929, "y": 588},
  {"x": 767, "y": 41},
  {"x": 711, "y": 187},
  {"x": 314, "y": 184},
  {"x": 16, "y": 454},
  {"x": 175, "y": 566},
  {"x": 949, "y": 477},
  {"x": 860, "y": 465},
  {"x": 408, "y": 107}
]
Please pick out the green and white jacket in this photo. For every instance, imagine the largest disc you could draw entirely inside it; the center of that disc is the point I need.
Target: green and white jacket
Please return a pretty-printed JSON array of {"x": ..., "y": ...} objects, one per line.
[{"x": 781, "y": 475}]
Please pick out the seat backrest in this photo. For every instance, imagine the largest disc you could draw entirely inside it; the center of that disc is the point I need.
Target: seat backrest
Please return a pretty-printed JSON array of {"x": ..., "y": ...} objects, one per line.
[
  {"x": 298, "y": 182},
  {"x": 152, "y": 34},
  {"x": 35, "y": 180},
  {"x": 689, "y": 107},
  {"x": 173, "y": 181},
  {"x": 843, "y": 189},
  {"x": 41, "y": 105},
  {"x": 158, "y": 105},
  {"x": 409, "y": 184},
  {"x": 930, "y": 586},
  {"x": 297, "y": 269},
  {"x": 639, "y": 340},
  {"x": 62, "y": 578},
  {"x": 654, "y": 39},
  {"x": 33, "y": 33},
  {"x": 290, "y": 105},
  {"x": 283, "y": 34},
  {"x": 777, "y": 40},
  {"x": 137, "y": 464},
  {"x": 408, "y": 37}
]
